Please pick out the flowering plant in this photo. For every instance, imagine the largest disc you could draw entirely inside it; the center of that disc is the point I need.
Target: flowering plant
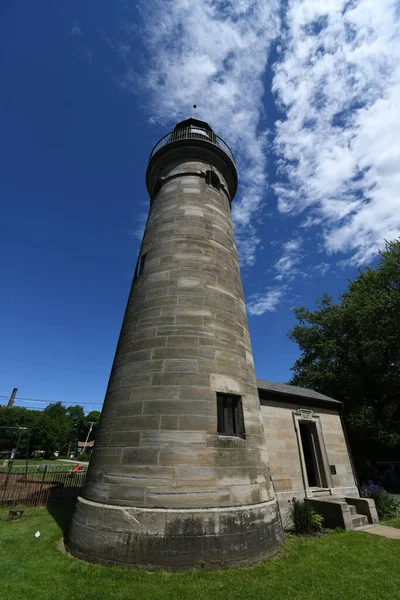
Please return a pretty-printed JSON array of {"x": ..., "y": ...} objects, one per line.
[{"x": 386, "y": 505}]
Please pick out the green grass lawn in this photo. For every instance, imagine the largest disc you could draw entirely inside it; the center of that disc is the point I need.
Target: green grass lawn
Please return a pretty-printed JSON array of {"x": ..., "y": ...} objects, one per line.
[
  {"x": 334, "y": 566},
  {"x": 37, "y": 461},
  {"x": 392, "y": 522},
  {"x": 19, "y": 464},
  {"x": 36, "y": 465}
]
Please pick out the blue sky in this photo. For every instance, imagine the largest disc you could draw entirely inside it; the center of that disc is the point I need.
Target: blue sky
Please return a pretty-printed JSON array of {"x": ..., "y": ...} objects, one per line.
[{"x": 307, "y": 94}]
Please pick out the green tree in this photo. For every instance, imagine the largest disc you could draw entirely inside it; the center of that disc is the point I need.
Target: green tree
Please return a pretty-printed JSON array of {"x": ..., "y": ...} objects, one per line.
[
  {"x": 10, "y": 420},
  {"x": 76, "y": 415},
  {"x": 55, "y": 429},
  {"x": 92, "y": 417},
  {"x": 351, "y": 351}
]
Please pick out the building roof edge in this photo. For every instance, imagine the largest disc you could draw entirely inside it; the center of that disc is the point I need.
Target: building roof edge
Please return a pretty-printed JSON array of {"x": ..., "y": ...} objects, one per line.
[{"x": 295, "y": 392}]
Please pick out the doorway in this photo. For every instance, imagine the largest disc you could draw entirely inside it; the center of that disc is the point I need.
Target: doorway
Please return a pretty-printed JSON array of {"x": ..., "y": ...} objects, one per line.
[{"x": 316, "y": 475}]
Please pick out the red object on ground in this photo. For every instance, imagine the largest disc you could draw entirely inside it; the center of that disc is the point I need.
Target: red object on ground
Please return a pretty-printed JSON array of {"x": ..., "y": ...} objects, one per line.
[{"x": 77, "y": 469}]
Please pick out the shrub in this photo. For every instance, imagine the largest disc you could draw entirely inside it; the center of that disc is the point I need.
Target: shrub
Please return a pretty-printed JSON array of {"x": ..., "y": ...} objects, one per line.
[
  {"x": 304, "y": 517},
  {"x": 85, "y": 457},
  {"x": 386, "y": 505}
]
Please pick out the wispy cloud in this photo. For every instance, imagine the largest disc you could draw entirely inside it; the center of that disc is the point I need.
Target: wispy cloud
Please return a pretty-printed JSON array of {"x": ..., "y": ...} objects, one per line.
[
  {"x": 75, "y": 30},
  {"x": 286, "y": 265},
  {"x": 214, "y": 53},
  {"x": 258, "y": 304},
  {"x": 322, "y": 268},
  {"x": 339, "y": 84},
  {"x": 286, "y": 269},
  {"x": 140, "y": 224}
]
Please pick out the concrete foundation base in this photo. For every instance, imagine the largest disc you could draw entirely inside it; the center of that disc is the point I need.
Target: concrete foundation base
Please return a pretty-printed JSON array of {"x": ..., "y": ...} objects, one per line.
[{"x": 171, "y": 539}]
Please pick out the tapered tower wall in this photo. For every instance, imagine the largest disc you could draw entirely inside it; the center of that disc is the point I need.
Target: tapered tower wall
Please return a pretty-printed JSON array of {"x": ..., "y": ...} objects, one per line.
[{"x": 193, "y": 496}]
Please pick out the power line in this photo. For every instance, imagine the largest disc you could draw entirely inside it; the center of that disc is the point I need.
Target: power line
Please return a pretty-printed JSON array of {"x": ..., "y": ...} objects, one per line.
[
  {"x": 42, "y": 408},
  {"x": 69, "y": 402},
  {"x": 39, "y": 408}
]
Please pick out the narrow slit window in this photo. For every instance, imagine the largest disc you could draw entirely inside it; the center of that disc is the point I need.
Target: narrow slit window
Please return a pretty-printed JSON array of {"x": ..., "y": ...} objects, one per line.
[
  {"x": 230, "y": 415},
  {"x": 140, "y": 267},
  {"x": 213, "y": 179}
]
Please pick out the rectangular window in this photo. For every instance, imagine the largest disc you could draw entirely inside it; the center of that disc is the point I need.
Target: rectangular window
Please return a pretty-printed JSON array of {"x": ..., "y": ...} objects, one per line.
[
  {"x": 230, "y": 415},
  {"x": 140, "y": 267}
]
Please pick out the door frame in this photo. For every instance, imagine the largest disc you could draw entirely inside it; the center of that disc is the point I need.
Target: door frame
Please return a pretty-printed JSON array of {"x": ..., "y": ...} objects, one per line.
[{"x": 305, "y": 415}]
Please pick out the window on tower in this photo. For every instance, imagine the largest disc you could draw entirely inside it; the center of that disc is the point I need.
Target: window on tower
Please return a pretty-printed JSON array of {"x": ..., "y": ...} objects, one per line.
[
  {"x": 140, "y": 265},
  {"x": 213, "y": 179},
  {"x": 230, "y": 415}
]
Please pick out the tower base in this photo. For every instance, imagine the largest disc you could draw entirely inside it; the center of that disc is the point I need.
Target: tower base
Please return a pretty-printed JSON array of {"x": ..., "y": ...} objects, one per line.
[{"x": 174, "y": 539}]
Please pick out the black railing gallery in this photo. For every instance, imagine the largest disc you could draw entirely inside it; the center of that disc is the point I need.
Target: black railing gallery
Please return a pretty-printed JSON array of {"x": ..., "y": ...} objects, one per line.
[{"x": 195, "y": 133}]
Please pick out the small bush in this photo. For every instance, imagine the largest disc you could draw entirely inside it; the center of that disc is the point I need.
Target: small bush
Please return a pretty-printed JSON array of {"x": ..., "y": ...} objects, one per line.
[
  {"x": 85, "y": 457},
  {"x": 304, "y": 518},
  {"x": 386, "y": 505}
]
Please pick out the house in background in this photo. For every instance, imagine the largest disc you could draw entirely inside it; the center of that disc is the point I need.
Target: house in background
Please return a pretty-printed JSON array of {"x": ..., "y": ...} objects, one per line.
[{"x": 86, "y": 447}]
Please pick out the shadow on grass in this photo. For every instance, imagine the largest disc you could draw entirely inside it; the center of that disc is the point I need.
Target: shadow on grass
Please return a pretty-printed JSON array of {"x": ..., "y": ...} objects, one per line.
[{"x": 62, "y": 514}]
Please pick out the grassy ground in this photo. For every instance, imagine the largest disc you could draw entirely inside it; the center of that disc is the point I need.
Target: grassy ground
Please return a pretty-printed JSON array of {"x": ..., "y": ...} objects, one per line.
[
  {"x": 392, "y": 522},
  {"x": 19, "y": 465},
  {"x": 37, "y": 461},
  {"x": 334, "y": 566}
]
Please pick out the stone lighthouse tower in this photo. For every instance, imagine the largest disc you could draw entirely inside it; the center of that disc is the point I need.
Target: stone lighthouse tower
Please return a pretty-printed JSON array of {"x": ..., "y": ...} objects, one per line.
[{"x": 179, "y": 476}]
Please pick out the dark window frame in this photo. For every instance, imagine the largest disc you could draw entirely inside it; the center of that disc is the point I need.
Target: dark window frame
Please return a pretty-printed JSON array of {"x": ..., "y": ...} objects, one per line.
[
  {"x": 230, "y": 418},
  {"x": 140, "y": 265},
  {"x": 213, "y": 179}
]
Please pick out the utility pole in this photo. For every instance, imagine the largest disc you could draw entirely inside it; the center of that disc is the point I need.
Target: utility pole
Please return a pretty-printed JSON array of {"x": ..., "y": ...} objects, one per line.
[
  {"x": 12, "y": 398},
  {"x": 87, "y": 437}
]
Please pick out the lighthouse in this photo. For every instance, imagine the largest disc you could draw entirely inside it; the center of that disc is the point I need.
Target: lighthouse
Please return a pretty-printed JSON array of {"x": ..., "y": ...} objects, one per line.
[{"x": 179, "y": 476}]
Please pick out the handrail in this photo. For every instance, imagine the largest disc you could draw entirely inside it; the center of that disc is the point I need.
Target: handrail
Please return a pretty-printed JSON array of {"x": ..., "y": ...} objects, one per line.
[{"x": 196, "y": 133}]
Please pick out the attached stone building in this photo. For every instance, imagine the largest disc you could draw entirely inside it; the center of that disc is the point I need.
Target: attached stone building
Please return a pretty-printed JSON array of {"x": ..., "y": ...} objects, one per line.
[{"x": 308, "y": 452}]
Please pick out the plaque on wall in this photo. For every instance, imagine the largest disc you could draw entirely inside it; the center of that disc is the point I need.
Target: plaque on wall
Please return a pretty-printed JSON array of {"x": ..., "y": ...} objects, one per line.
[{"x": 305, "y": 413}]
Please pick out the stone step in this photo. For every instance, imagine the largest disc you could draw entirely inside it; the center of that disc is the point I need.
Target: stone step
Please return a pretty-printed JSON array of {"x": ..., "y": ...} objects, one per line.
[
  {"x": 321, "y": 493},
  {"x": 359, "y": 520},
  {"x": 353, "y": 510},
  {"x": 364, "y": 527}
]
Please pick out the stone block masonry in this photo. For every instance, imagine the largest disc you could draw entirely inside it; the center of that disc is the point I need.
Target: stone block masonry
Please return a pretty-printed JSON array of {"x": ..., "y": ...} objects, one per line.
[{"x": 184, "y": 339}]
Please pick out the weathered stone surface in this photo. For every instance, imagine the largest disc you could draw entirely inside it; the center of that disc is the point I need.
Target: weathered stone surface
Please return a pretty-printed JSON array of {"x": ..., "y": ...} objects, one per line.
[
  {"x": 141, "y": 456},
  {"x": 176, "y": 539},
  {"x": 169, "y": 422},
  {"x": 122, "y": 438},
  {"x": 175, "y": 407}
]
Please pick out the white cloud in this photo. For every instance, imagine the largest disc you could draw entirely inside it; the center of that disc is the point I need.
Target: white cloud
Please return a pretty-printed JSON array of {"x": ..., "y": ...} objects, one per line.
[
  {"x": 310, "y": 222},
  {"x": 292, "y": 245},
  {"x": 75, "y": 30},
  {"x": 286, "y": 265},
  {"x": 213, "y": 53},
  {"x": 140, "y": 224},
  {"x": 323, "y": 268},
  {"x": 258, "y": 304},
  {"x": 339, "y": 83}
]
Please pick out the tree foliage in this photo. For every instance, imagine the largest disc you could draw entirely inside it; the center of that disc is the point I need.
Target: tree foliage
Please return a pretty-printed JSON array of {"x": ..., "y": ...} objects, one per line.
[
  {"x": 92, "y": 417},
  {"x": 10, "y": 421},
  {"x": 351, "y": 351},
  {"x": 56, "y": 428}
]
